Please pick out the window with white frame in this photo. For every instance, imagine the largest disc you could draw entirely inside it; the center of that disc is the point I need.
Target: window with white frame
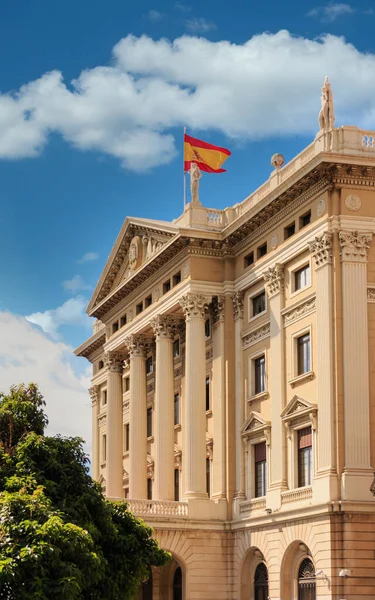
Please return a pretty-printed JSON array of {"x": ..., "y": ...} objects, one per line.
[
  {"x": 257, "y": 304},
  {"x": 303, "y": 347},
  {"x": 304, "y": 451},
  {"x": 260, "y": 374},
  {"x": 302, "y": 277},
  {"x": 256, "y": 433}
]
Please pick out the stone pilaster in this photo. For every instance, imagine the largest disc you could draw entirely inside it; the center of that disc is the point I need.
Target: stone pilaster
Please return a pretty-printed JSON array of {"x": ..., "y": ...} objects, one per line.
[
  {"x": 164, "y": 329},
  {"x": 274, "y": 279},
  {"x": 114, "y": 470},
  {"x": 325, "y": 483},
  {"x": 194, "y": 424},
  {"x": 218, "y": 399},
  {"x": 357, "y": 476},
  {"x": 138, "y": 417},
  {"x": 94, "y": 392},
  {"x": 237, "y": 300}
]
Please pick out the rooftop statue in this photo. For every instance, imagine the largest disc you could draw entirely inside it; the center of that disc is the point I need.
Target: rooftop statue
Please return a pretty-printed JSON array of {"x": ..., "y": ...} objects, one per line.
[
  {"x": 326, "y": 115},
  {"x": 195, "y": 175}
]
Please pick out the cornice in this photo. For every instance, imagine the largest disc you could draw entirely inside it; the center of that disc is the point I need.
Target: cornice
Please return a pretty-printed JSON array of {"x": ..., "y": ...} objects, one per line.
[{"x": 95, "y": 342}]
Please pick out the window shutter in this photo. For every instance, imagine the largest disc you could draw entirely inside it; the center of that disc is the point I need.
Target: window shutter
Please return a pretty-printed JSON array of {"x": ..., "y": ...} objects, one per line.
[{"x": 304, "y": 438}]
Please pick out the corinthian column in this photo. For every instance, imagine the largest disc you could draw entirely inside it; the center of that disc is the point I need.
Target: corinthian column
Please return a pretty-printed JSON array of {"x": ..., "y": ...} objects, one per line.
[
  {"x": 326, "y": 480},
  {"x": 194, "y": 455},
  {"x": 218, "y": 398},
  {"x": 164, "y": 328},
  {"x": 114, "y": 470},
  {"x": 94, "y": 395},
  {"x": 357, "y": 476},
  {"x": 138, "y": 418},
  {"x": 237, "y": 300},
  {"x": 274, "y": 278}
]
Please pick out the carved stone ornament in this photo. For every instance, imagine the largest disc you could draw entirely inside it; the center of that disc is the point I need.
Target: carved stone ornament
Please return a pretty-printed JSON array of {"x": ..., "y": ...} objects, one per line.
[
  {"x": 164, "y": 326},
  {"x": 321, "y": 207},
  {"x": 371, "y": 294},
  {"x": 217, "y": 309},
  {"x": 372, "y": 486},
  {"x": 194, "y": 305},
  {"x": 94, "y": 392},
  {"x": 113, "y": 362},
  {"x": 353, "y": 202},
  {"x": 185, "y": 271},
  {"x": 354, "y": 246},
  {"x": 135, "y": 253},
  {"x": 303, "y": 309},
  {"x": 137, "y": 346},
  {"x": 274, "y": 241},
  {"x": 321, "y": 249},
  {"x": 257, "y": 335},
  {"x": 237, "y": 300},
  {"x": 274, "y": 279}
]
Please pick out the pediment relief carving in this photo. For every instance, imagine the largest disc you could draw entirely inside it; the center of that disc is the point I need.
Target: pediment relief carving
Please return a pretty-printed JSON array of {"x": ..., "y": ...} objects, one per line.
[
  {"x": 255, "y": 424},
  {"x": 298, "y": 407}
]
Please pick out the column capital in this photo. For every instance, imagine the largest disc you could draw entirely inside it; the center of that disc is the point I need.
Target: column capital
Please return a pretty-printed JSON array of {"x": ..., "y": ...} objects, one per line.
[
  {"x": 354, "y": 246},
  {"x": 217, "y": 309},
  {"x": 113, "y": 362},
  {"x": 94, "y": 392},
  {"x": 274, "y": 278},
  {"x": 137, "y": 346},
  {"x": 194, "y": 305},
  {"x": 237, "y": 299},
  {"x": 321, "y": 249},
  {"x": 165, "y": 326}
]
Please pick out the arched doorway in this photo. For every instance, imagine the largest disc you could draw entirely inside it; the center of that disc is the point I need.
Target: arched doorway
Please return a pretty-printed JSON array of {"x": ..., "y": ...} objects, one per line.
[
  {"x": 177, "y": 584},
  {"x": 147, "y": 589},
  {"x": 261, "y": 582},
  {"x": 306, "y": 580}
]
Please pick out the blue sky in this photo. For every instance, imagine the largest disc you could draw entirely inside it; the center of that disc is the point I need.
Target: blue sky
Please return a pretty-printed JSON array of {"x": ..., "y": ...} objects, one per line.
[{"x": 93, "y": 99}]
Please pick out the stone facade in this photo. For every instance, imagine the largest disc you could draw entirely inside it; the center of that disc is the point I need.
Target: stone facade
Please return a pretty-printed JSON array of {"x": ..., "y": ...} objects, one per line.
[{"x": 233, "y": 383}]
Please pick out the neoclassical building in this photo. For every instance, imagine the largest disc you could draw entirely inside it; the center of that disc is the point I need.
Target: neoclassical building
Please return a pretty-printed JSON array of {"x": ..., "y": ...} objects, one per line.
[{"x": 233, "y": 388}]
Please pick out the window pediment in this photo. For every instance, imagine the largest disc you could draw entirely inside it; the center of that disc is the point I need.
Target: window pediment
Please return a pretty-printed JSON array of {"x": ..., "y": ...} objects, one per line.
[
  {"x": 256, "y": 426},
  {"x": 299, "y": 409}
]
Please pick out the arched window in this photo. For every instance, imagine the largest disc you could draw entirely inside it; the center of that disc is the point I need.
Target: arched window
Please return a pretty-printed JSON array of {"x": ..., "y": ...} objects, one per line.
[
  {"x": 147, "y": 589},
  {"x": 306, "y": 581},
  {"x": 261, "y": 582},
  {"x": 177, "y": 584}
]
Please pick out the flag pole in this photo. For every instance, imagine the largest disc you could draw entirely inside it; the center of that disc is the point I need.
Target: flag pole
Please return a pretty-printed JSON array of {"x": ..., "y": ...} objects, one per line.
[{"x": 183, "y": 159}]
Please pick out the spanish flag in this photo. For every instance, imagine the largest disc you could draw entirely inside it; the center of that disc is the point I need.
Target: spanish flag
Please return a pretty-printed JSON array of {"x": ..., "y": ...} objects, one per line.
[{"x": 209, "y": 158}]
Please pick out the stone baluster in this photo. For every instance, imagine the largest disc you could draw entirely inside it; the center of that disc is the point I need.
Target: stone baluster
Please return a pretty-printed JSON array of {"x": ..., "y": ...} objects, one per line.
[
  {"x": 94, "y": 392},
  {"x": 194, "y": 423},
  {"x": 138, "y": 417},
  {"x": 114, "y": 469},
  {"x": 237, "y": 300}
]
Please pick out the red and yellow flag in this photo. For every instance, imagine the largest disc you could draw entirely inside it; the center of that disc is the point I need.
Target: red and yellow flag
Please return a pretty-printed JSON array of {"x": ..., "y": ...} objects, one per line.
[{"x": 209, "y": 158}]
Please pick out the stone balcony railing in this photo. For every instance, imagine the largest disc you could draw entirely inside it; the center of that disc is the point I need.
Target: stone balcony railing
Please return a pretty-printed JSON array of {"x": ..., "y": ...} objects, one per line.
[
  {"x": 158, "y": 508},
  {"x": 296, "y": 495},
  {"x": 251, "y": 505}
]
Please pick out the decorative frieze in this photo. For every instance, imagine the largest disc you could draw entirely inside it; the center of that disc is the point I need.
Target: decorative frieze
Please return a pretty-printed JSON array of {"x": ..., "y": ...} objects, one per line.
[
  {"x": 217, "y": 309},
  {"x": 164, "y": 326},
  {"x": 137, "y": 346},
  {"x": 102, "y": 420},
  {"x": 237, "y": 300},
  {"x": 371, "y": 294},
  {"x": 354, "y": 246},
  {"x": 274, "y": 278},
  {"x": 321, "y": 249},
  {"x": 194, "y": 305},
  {"x": 297, "y": 312},
  {"x": 94, "y": 392},
  {"x": 113, "y": 362},
  {"x": 256, "y": 335}
]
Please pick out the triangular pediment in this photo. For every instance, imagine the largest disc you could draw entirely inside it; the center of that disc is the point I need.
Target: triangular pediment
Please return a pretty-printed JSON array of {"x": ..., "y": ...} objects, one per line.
[
  {"x": 254, "y": 422},
  {"x": 296, "y": 407},
  {"x": 138, "y": 242}
]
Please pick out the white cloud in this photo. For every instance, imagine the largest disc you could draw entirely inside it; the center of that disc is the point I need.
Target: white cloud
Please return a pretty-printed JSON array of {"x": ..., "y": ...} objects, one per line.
[
  {"x": 88, "y": 257},
  {"x": 154, "y": 15},
  {"x": 268, "y": 86},
  {"x": 330, "y": 12},
  {"x": 185, "y": 8},
  {"x": 199, "y": 25},
  {"x": 75, "y": 284},
  {"x": 72, "y": 312},
  {"x": 27, "y": 355}
]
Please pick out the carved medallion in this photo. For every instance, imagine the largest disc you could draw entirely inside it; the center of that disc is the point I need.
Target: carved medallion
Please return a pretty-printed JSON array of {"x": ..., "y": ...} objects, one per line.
[
  {"x": 321, "y": 207},
  {"x": 135, "y": 253},
  {"x": 353, "y": 202}
]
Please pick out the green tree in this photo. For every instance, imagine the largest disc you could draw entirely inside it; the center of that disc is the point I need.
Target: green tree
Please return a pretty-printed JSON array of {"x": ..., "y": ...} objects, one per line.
[{"x": 59, "y": 537}]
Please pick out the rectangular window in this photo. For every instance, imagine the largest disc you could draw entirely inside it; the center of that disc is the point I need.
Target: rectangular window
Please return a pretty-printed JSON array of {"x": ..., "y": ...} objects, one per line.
[
  {"x": 208, "y": 477},
  {"x": 104, "y": 447},
  {"x": 305, "y": 220},
  {"x": 303, "y": 354},
  {"x": 248, "y": 259},
  {"x": 207, "y": 393},
  {"x": 123, "y": 321},
  {"x": 114, "y": 327},
  {"x": 139, "y": 308},
  {"x": 176, "y": 278},
  {"x": 127, "y": 437},
  {"x": 260, "y": 375},
  {"x": 207, "y": 329},
  {"x": 176, "y": 485},
  {"x": 260, "y": 471},
  {"x": 149, "y": 365},
  {"x": 127, "y": 384},
  {"x": 262, "y": 250},
  {"x": 104, "y": 397},
  {"x": 176, "y": 348},
  {"x": 101, "y": 364},
  {"x": 148, "y": 301},
  {"x": 258, "y": 304},
  {"x": 289, "y": 231},
  {"x": 149, "y": 488},
  {"x": 177, "y": 409},
  {"x": 302, "y": 278},
  {"x": 149, "y": 422},
  {"x": 304, "y": 457},
  {"x": 166, "y": 286}
]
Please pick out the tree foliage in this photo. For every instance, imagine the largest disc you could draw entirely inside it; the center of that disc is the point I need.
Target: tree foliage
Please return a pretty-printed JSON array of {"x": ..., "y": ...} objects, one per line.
[{"x": 59, "y": 537}]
